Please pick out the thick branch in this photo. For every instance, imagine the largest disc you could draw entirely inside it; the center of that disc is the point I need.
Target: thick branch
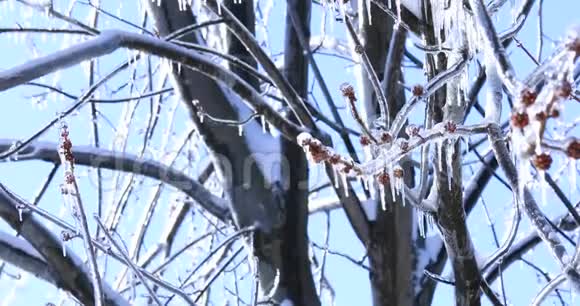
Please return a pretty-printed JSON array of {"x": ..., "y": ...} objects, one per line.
[
  {"x": 101, "y": 158},
  {"x": 69, "y": 272}
]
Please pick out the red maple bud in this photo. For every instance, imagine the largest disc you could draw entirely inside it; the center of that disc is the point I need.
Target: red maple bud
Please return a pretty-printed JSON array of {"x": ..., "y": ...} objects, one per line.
[
  {"x": 418, "y": 90},
  {"x": 573, "y": 149},
  {"x": 564, "y": 90},
  {"x": 412, "y": 130},
  {"x": 404, "y": 145},
  {"x": 542, "y": 161},
  {"x": 365, "y": 141},
  {"x": 541, "y": 116},
  {"x": 520, "y": 120},
  {"x": 317, "y": 152},
  {"x": 450, "y": 126},
  {"x": 386, "y": 137},
  {"x": 66, "y": 145},
  {"x": 348, "y": 91},
  {"x": 334, "y": 159},
  {"x": 346, "y": 169},
  {"x": 69, "y": 178},
  {"x": 383, "y": 178},
  {"x": 398, "y": 172},
  {"x": 528, "y": 96}
]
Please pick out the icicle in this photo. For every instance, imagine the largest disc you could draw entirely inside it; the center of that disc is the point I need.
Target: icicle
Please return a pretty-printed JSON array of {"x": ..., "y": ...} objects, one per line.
[
  {"x": 543, "y": 186},
  {"x": 449, "y": 159},
  {"x": 392, "y": 183},
  {"x": 263, "y": 121},
  {"x": 240, "y": 130},
  {"x": 398, "y": 3},
  {"x": 336, "y": 176},
  {"x": 572, "y": 176},
  {"x": 403, "y": 192},
  {"x": 383, "y": 196},
  {"x": 421, "y": 223},
  {"x": 440, "y": 153},
  {"x": 201, "y": 117},
  {"x": 63, "y": 248},
  {"x": 343, "y": 177},
  {"x": 466, "y": 140},
  {"x": 371, "y": 185},
  {"x": 369, "y": 16},
  {"x": 219, "y": 5},
  {"x": 20, "y": 214}
]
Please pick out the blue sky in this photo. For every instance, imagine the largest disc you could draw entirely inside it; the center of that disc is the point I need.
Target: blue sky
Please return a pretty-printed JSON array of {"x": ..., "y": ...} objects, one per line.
[{"x": 22, "y": 117}]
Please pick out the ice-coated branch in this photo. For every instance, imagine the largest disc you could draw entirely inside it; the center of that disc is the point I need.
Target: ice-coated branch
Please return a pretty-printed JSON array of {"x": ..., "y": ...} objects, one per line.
[
  {"x": 508, "y": 242},
  {"x": 102, "y": 158},
  {"x": 493, "y": 45},
  {"x": 20, "y": 253},
  {"x": 128, "y": 261},
  {"x": 71, "y": 193},
  {"x": 247, "y": 39},
  {"x": 435, "y": 83},
  {"x": 551, "y": 286},
  {"x": 371, "y": 73},
  {"x": 12, "y": 208},
  {"x": 530, "y": 207},
  {"x": 111, "y": 40},
  {"x": 70, "y": 272}
]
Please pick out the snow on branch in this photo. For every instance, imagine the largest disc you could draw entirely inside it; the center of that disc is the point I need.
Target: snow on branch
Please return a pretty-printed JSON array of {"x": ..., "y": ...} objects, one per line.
[
  {"x": 111, "y": 40},
  {"x": 101, "y": 158},
  {"x": 70, "y": 271}
]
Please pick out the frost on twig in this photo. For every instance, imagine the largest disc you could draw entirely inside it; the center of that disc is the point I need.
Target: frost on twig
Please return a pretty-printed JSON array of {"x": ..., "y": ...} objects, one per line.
[{"x": 71, "y": 196}]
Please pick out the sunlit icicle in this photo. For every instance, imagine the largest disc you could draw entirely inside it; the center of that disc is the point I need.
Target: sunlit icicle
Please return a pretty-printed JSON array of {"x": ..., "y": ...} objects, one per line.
[
  {"x": 398, "y": 2},
  {"x": 421, "y": 223},
  {"x": 369, "y": 15},
  {"x": 439, "y": 147},
  {"x": 219, "y": 5},
  {"x": 240, "y": 130},
  {"x": 383, "y": 196},
  {"x": 392, "y": 183},
  {"x": 449, "y": 159},
  {"x": 344, "y": 184},
  {"x": 63, "y": 248},
  {"x": 263, "y": 121},
  {"x": 336, "y": 176},
  {"x": 19, "y": 214}
]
